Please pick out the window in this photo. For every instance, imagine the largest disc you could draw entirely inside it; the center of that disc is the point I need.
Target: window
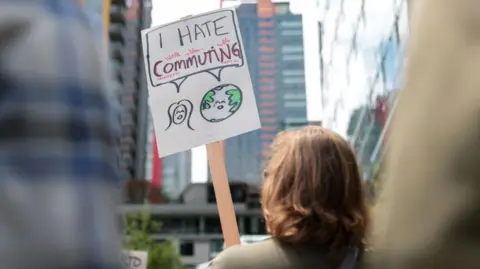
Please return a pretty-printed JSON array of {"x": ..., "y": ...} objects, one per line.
[
  {"x": 239, "y": 193},
  {"x": 216, "y": 245},
  {"x": 187, "y": 248},
  {"x": 293, "y": 72},
  {"x": 212, "y": 225},
  {"x": 282, "y": 9},
  {"x": 291, "y": 32},
  {"x": 187, "y": 225},
  {"x": 291, "y": 24},
  {"x": 295, "y": 104},
  {"x": 290, "y": 96},
  {"x": 291, "y": 80},
  {"x": 292, "y": 48},
  {"x": 298, "y": 57},
  {"x": 295, "y": 121}
]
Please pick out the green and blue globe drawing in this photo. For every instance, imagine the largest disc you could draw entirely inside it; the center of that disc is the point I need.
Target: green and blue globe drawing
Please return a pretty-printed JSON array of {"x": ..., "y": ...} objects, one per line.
[{"x": 221, "y": 102}]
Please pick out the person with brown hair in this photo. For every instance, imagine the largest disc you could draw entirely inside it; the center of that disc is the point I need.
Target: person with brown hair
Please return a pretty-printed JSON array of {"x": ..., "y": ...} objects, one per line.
[{"x": 313, "y": 203}]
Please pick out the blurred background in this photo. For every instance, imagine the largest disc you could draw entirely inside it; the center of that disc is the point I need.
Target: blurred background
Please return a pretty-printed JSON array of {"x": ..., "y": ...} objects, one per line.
[{"x": 334, "y": 63}]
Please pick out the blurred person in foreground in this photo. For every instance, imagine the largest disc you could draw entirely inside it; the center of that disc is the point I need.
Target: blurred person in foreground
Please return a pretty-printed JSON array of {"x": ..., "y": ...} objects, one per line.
[
  {"x": 313, "y": 203},
  {"x": 59, "y": 134},
  {"x": 429, "y": 216}
]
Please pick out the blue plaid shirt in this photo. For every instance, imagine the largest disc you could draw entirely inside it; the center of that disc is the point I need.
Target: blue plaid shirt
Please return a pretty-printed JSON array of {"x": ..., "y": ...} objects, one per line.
[{"x": 59, "y": 133}]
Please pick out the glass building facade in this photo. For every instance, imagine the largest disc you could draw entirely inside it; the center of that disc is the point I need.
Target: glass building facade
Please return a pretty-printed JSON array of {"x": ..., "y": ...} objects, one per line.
[{"x": 362, "y": 58}]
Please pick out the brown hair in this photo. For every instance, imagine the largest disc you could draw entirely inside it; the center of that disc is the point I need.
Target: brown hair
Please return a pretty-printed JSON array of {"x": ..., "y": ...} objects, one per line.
[{"x": 313, "y": 192}]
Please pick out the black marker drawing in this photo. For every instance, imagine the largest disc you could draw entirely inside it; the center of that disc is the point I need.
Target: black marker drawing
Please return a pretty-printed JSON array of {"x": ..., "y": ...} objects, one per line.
[
  {"x": 221, "y": 102},
  {"x": 174, "y": 70},
  {"x": 180, "y": 112},
  {"x": 130, "y": 261},
  {"x": 179, "y": 83},
  {"x": 217, "y": 77}
]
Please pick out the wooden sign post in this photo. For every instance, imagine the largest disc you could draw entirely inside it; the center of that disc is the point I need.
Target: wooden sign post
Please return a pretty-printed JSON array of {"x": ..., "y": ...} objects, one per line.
[
  {"x": 201, "y": 93},
  {"x": 226, "y": 210},
  {"x": 223, "y": 196}
]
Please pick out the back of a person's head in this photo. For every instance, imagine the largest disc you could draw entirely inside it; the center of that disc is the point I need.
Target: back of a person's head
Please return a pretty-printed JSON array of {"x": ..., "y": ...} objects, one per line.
[{"x": 313, "y": 191}]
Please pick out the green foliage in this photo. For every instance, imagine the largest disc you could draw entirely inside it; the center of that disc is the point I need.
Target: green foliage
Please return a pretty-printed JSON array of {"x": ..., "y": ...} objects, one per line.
[
  {"x": 235, "y": 99},
  {"x": 137, "y": 236},
  {"x": 207, "y": 99}
]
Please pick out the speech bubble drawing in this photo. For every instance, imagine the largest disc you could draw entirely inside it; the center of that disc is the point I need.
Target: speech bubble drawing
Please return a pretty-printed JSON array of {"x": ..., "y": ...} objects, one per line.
[
  {"x": 200, "y": 44},
  {"x": 217, "y": 75},
  {"x": 178, "y": 83}
]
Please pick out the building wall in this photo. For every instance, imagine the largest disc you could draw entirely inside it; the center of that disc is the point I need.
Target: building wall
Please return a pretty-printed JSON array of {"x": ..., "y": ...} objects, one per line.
[
  {"x": 291, "y": 67},
  {"x": 198, "y": 235},
  {"x": 268, "y": 103},
  {"x": 127, "y": 63},
  {"x": 194, "y": 224}
]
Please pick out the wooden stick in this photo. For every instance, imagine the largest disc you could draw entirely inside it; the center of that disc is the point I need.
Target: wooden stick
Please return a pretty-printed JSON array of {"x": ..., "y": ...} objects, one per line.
[{"x": 226, "y": 210}]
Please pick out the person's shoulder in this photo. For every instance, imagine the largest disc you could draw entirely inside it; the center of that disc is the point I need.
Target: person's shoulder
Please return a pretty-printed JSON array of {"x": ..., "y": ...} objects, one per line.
[
  {"x": 256, "y": 255},
  {"x": 271, "y": 254}
]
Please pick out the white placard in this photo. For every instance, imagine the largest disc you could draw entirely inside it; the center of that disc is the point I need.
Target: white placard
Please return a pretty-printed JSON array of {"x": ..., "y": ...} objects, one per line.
[
  {"x": 134, "y": 259},
  {"x": 199, "y": 85}
]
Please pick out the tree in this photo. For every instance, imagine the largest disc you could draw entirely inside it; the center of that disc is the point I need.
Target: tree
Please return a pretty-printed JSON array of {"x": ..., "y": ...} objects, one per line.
[{"x": 137, "y": 236}]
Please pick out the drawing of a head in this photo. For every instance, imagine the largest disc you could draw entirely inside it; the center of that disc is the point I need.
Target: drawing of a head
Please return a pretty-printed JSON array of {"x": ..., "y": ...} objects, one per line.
[
  {"x": 221, "y": 102},
  {"x": 179, "y": 113}
]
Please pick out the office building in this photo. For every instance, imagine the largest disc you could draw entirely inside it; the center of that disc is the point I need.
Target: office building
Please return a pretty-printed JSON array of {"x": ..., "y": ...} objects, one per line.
[
  {"x": 360, "y": 105},
  {"x": 127, "y": 19},
  {"x": 291, "y": 66},
  {"x": 117, "y": 24},
  {"x": 194, "y": 224},
  {"x": 274, "y": 50}
]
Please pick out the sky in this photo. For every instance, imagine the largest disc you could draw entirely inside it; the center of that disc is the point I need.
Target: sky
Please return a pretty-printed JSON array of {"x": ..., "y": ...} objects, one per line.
[{"x": 347, "y": 82}]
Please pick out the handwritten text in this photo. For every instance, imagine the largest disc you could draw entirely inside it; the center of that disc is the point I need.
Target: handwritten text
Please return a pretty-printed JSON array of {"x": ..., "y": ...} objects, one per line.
[{"x": 216, "y": 55}]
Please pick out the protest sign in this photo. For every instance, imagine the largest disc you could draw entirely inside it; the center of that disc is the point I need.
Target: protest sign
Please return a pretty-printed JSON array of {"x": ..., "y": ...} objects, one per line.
[
  {"x": 134, "y": 259},
  {"x": 199, "y": 85},
  {"x": 200, "y": 92}
]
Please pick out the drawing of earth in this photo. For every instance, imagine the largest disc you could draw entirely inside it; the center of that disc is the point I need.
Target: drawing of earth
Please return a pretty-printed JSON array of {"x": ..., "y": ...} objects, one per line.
[{"x": 221, "y": 102}]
